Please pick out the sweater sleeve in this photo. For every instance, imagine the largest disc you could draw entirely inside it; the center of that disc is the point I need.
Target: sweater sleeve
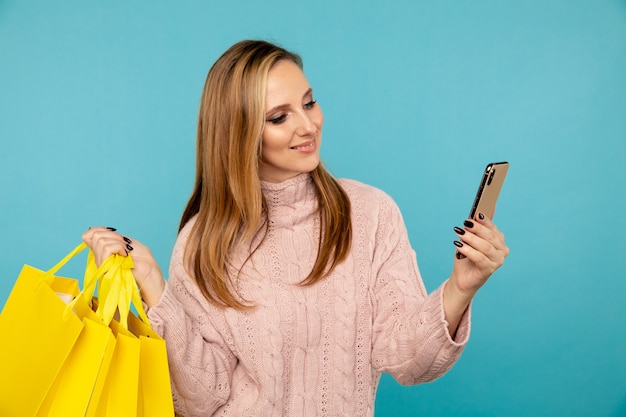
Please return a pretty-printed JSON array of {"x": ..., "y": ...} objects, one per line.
[
  {"x": 201, "y": 363},
  {"x": 410, "y": 334}
]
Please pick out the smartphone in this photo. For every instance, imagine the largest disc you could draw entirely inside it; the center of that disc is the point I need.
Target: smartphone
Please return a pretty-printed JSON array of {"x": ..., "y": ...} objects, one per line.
[{"x": 488, "y": 191}]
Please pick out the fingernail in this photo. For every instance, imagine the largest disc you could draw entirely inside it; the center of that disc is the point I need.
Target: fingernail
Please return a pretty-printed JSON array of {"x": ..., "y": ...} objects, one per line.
[
  {"x": 468, "y": 223},
  {"x": 129, "y": 247},
  {"x": 127, "y": 240},
  {"x": 458, "y": 244},
  {"x": 459, "y": 231},
  {"x": 113, "y": 229},
  {"x": 481, "y": 216}
]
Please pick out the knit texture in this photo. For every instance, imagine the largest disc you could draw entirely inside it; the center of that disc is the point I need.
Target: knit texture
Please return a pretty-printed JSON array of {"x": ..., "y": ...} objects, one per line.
[{"x": 307, "y": 350}]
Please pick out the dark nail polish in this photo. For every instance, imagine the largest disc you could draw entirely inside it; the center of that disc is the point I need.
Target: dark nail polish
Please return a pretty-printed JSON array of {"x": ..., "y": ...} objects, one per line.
[
  {"x": 481, "y": 216},
  {"x": 127, "y": 240},
  {"x": 113, "y": 229},
  {"x": 129, "y": 247},
  {"x": 459, "y": 231},
  {"x": 458, "y": 244},
  {"x": 468, "y": 223}
]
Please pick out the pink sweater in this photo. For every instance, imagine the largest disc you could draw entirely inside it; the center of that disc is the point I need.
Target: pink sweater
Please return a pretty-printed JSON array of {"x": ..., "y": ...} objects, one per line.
[{"x": 307, "y": 351}]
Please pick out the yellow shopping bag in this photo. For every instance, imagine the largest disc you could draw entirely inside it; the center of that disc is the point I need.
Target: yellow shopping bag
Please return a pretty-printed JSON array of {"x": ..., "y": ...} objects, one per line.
[
  {"x": 138, "y": 381},
  {"x": 121, "y": 389},
  {"x": 155, "y": 394},
  {"x": 80, "y": 382},
  {"x": 61, "y": 358},
  {"x": 39, "y": 339}
]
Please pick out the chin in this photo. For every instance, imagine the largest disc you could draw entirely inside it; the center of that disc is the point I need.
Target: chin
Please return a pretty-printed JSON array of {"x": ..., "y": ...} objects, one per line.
[{"x": 314, "y": 166}]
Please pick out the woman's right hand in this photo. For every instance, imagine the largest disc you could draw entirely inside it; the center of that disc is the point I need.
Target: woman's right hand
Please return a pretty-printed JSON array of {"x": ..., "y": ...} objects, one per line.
[{"x": 105, "y": 241}]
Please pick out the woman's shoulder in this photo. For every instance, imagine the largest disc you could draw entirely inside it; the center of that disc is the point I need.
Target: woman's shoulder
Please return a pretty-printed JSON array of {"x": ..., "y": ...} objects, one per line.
[
  {"x": 368, "y": 199},
  {"x": 372, "y": 206},
  {"x": 184, "y": 232},
  {"x": 183, "y": 236},
  {"x": 360, "y": 190}
]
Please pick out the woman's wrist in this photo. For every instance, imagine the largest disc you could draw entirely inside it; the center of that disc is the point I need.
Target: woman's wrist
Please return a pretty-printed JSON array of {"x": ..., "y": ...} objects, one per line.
[
  {"x": 152, "y": 289},
  {"x": 457, "y": 294},
  {"x": 455, "y": 303}
]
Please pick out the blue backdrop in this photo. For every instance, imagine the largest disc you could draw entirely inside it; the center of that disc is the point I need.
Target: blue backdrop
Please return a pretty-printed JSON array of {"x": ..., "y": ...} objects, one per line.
[{"x": 98, "y": 106}]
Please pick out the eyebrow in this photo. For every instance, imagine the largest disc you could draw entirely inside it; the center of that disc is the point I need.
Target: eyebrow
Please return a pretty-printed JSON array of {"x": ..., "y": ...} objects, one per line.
[{"x": 308, "y": 92}]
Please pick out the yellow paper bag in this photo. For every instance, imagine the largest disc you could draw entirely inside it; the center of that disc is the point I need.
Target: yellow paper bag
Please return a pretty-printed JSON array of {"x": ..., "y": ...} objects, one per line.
[
  {"x": 37, "y": 337},
  {"x": 80, "y": 382},
  {"x": 155, "y": 393},
  {"x": 138, "y": 383},
  {"x": 60, "y": 358},
  {"x": 120, "y": 395}
]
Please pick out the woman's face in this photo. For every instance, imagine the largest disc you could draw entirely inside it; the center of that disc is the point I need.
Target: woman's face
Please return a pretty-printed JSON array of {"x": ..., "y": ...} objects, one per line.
[{"x": 293, "y": 125}]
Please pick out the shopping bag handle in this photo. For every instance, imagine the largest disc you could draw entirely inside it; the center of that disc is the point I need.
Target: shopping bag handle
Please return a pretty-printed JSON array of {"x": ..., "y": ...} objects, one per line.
[
  {"x": 65, "y": 260},
  {"x": 92, "y": 273},
  {"x": 48, "y": 276},
  {"x": 117, "y": 289}
]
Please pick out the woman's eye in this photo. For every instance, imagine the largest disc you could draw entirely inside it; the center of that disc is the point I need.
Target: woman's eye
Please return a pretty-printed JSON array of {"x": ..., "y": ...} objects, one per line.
[
  {"x": 278, "y": 119},
  {"x": 310, "y": 104}
]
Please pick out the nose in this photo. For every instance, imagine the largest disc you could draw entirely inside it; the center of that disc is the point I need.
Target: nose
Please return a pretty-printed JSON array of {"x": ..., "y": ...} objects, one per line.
[{"x": 306, "y": 125}]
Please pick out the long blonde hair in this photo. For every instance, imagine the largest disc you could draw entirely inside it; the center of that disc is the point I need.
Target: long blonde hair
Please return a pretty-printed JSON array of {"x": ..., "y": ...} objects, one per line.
[{"x": 227, "y": 196}]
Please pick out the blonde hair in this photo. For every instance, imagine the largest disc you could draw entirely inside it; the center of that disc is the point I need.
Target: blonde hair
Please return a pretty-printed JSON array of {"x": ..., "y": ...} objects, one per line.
[{"x": 227, "y": 196}]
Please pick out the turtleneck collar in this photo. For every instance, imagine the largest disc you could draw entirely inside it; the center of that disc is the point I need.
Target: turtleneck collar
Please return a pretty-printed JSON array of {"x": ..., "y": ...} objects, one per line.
[
  {"x": 291, "y": 182},
  {"x": 295, "y": 196}
]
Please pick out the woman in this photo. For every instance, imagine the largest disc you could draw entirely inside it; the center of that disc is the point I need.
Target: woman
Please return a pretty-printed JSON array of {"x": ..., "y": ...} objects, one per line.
[{"x": 289, "y": 291}]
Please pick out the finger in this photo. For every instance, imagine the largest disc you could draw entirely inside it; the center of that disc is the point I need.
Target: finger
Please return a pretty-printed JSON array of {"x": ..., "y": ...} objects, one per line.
[
  {"x": 105, "y": 242},
  {"x": 473, "y": 233},
  {"x": 474, "y": 256},
  {"x": 475, "y": 242},
  {"x": 495, "y": 236},
  {"x": 105, "y": 233},
  {"x": 483, "y": 253},
  {"x": 486, "y": 260},
  {"x": 486, "y": 223},
  {"x": 88, "y": 235},
  {"x": 487, "y": 242},
  {"x": 486, "y": 229}
]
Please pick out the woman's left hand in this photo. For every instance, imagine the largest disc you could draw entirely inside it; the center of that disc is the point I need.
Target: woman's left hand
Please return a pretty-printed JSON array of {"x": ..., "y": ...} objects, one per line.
[{"x": 484, "y": 250}]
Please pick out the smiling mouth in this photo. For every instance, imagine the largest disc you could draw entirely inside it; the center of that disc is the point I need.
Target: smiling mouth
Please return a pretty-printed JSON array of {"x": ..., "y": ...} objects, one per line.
[{"x": 304, "y": 146}]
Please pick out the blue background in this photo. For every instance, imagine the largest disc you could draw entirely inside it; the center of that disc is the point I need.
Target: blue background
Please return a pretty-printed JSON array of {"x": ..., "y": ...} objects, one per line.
[{"x": 98, "y": 106}]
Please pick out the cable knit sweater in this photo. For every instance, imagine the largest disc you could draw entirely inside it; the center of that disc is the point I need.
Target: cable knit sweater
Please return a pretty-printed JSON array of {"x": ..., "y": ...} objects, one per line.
[{"x": 307, "y": 350}]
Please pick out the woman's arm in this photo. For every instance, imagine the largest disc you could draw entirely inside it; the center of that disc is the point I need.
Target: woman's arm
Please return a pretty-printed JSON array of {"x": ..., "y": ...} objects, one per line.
[
  {"x": 410, "y": 340},
  {"x": 418, "y": 337},
  {"x": 200, "y": 361},
  {"x": 484, "y": 249}
]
